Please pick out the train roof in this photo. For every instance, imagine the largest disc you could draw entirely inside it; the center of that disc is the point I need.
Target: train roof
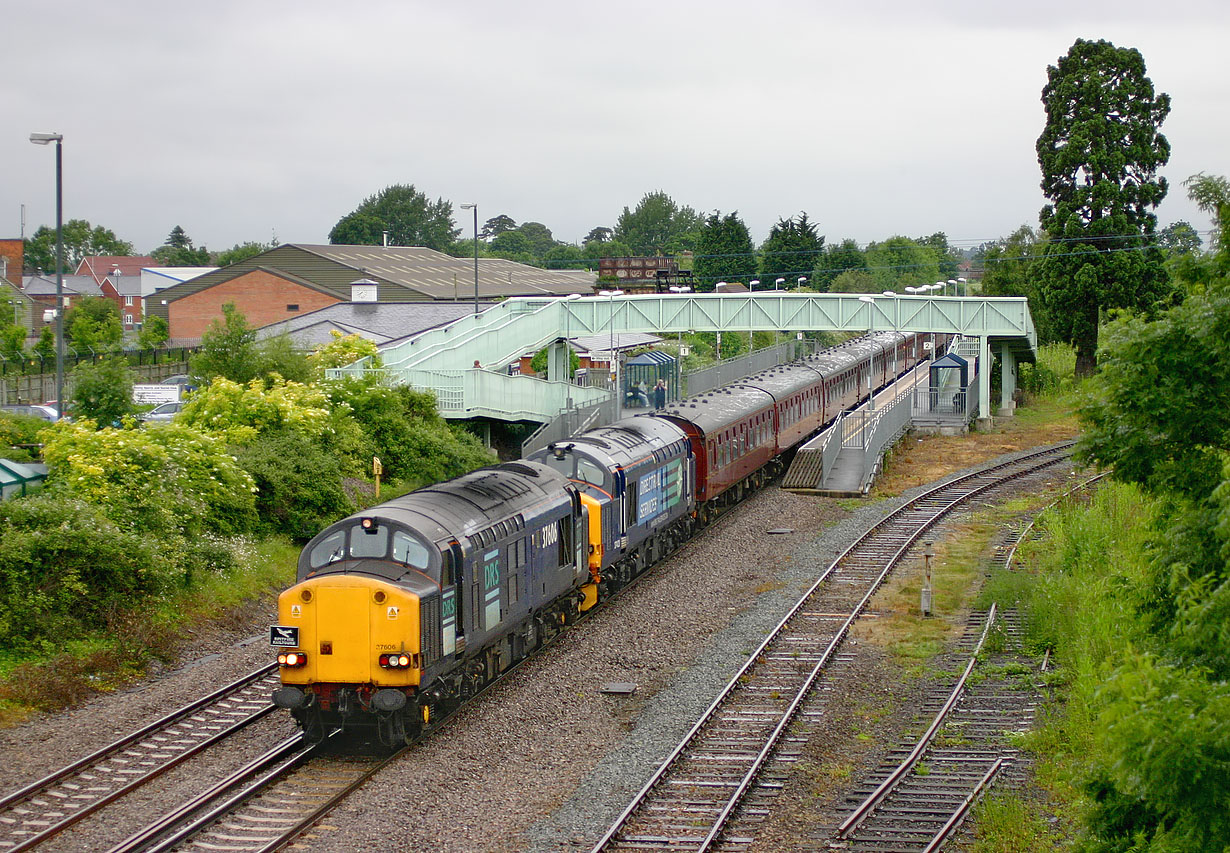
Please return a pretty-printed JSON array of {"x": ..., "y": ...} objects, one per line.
[
  {"x": 622, "y": 442},
  {"x": 463, "y": 506},
  {"x": 720, "y": 407}
]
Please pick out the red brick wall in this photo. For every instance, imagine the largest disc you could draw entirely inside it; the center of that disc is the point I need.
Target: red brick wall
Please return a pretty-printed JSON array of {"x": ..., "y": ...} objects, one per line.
[
  {"x": 261, "y": 296},
  {"x": 14, "y": 250}
]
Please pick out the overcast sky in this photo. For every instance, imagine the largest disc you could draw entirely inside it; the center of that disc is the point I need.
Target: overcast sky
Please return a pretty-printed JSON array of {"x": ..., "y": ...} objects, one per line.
[{"x": 241, "y": 121}]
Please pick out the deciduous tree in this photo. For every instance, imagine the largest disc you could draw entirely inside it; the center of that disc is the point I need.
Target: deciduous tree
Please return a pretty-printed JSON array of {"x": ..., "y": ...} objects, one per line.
[
  {"x": 657, "y": 226},
  {"x": 837, "y": 258},
  {"x": 1100, "y": 152},
  {"x": 103, "y": 392},
  {"x": 93, "y": 325},
  {"x": 81, "y": 239},
  {"x": 409, "y": 217},
  {"x": 228, "y": 349},
  {"x": 241, "y": 252},
  {"x": 154, "y": 332},
  {"x": 899, "y": 262}
]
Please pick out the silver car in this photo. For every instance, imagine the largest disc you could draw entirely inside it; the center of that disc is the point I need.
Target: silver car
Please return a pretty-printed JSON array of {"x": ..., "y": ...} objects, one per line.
[
  {"x": 47, "y": 413},
  {"x": 161, "y": 413}
]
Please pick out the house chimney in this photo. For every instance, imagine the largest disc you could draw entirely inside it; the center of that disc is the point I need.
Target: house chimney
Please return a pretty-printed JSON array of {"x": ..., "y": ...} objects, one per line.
[{"x": 363, "y": 290}]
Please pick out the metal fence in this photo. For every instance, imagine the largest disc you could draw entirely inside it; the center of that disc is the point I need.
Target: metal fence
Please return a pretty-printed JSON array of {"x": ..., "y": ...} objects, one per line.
[
  {"x": 33, "y": 379},
  {"x": 953, "y": 403},
  {"x": 706, "y": 379}
]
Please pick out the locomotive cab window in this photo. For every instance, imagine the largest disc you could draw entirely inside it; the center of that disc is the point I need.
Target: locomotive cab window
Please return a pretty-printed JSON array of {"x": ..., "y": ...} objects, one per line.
[
  {"x": 409, "y": 550},
  {"x": 329, "y": 550},
  {"x": 369, "y": 541}
]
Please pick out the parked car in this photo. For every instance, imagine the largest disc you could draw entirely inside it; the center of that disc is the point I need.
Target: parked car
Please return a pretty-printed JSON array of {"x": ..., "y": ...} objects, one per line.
[
  {"x": 183, "y": 380},
  {"x": 47, "y": 413},
  {"x": 160, "y": 413}
]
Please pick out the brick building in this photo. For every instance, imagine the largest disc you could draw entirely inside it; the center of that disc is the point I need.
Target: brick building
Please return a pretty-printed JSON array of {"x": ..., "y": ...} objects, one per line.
[{"x": 296, "y": 279}]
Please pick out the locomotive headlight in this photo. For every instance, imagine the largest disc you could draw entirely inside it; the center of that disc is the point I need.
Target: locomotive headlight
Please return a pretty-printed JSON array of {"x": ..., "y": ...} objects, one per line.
[
  {"x": 292, "y": 659},
  {"x": 403, "y": 660}
]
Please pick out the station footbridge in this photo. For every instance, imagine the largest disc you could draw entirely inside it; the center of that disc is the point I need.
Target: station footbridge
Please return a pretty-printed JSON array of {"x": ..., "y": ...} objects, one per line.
[{"x": 462, "y": 362}]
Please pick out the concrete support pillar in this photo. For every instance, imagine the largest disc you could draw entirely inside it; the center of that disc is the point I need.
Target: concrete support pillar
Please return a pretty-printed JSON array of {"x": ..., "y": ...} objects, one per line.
[
  {"x": 984, "y": 380},
  {"x": 1007, "y": 380},
  {"x": 557, "y": 360}
]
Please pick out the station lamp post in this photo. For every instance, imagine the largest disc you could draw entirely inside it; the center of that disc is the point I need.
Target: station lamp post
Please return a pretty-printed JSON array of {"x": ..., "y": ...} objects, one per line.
[
  {"x": 802, "y": 280},
  {"x": 778, "y": 284},
  {"x": 751, "y": 285},
  {"x": 474, "y": 207},
  {"x": 58, "y": 139},
  {"x": 964, "y": 286}
]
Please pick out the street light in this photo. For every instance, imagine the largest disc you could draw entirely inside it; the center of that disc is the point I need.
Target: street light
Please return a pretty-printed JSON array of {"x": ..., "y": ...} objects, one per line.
[
  {"x": 802, "y": 280},
  {"x": 751, "y": 285},
  {"x": 956, "y": 288},
  {"x": 619, "y": 402},
  {"x": 58, "y": 139},
  {"x": 474, "y": 207},
  {"x": 777, "y": 284},
  {"x": 964, "y": 286},
  {"x": 939, "y": 285}
]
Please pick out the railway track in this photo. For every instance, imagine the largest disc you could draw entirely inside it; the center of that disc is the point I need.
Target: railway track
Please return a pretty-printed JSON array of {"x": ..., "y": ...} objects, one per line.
[
  {"x": 924, "y": 789},
  {"x": 264, "y": 805},
  {"x": 48, "y": 806},
  {"x": 727, "y": 763}
]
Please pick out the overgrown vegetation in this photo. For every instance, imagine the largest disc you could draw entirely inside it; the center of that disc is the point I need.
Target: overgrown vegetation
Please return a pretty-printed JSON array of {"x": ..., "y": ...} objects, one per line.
[
  {"x": 1132, "y": 591},
  {"x": 138, "y": 527}
]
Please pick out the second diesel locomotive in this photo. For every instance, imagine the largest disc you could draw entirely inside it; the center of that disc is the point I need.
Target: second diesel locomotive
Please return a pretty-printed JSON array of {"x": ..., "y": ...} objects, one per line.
[{"x": 407, "y": 609}]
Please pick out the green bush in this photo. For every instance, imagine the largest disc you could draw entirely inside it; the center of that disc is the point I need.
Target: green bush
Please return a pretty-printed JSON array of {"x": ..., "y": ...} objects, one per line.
[
  {"x": 404, "y": 429},
  {"x": 20, "y": 430},
  {"x": 103, "y": 392},
  {"x": 298, "y": 484},
  {"x": 160, "y": 479},
  {"x": 65, "y": 568}
]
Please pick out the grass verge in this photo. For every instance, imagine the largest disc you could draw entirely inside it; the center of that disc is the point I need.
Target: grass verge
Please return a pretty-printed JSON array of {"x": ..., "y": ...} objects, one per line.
[{"x": 106, "y": 660}]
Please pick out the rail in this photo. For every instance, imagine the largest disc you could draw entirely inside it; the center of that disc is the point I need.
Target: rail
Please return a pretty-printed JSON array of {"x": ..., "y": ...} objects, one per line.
[{"x": 770, "y": 703}]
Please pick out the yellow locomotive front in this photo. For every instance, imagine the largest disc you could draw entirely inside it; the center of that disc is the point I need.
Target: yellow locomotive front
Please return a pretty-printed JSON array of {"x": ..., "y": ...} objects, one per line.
[{"x": 349, "y": 636}]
